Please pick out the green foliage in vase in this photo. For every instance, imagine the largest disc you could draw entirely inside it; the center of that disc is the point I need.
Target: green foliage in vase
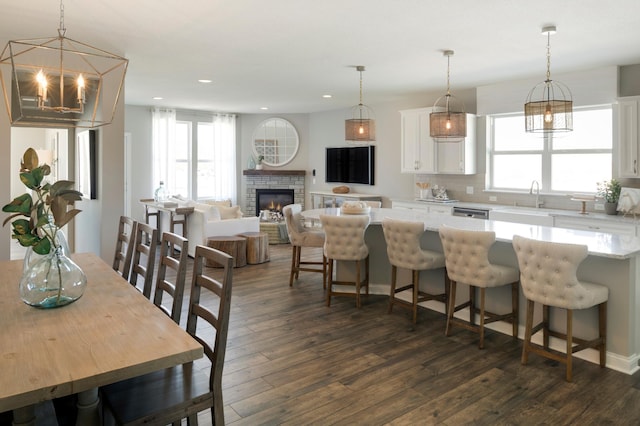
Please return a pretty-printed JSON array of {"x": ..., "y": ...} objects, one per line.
[
  {"x": 609, "y": 190},
  {"x": 31, "y": 213}
]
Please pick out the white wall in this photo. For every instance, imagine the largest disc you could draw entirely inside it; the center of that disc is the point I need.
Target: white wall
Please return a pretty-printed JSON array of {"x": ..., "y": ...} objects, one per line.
[
  {"x": 326, "y": 129},
  {"x": 138, "y": 125}
]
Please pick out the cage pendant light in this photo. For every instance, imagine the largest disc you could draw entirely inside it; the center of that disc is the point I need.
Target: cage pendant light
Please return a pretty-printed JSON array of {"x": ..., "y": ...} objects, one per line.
[
  {"x": 549, "y": 107},
  {"x": 361, "y": 127},
  {"x": 448, "y": 121},
  {"x": 60, "y": 82}
]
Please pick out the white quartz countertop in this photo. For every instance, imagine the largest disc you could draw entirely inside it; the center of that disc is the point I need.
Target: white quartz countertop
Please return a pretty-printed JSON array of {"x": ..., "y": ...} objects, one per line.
[{"x": 598, "y": 243}]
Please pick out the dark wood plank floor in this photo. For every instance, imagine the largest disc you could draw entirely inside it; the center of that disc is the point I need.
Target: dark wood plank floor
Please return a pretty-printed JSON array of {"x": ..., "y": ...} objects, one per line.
[{"x": 291, "y": 360}]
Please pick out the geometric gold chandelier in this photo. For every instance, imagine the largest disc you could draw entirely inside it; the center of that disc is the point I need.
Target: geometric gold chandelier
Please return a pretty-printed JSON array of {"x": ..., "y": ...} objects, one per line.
[
  {"x": 60, "y": 82},
  {"x": 361, "y": 127},
  {"x": 549, "y": 106},
  {"x": 448, "y": 121}
]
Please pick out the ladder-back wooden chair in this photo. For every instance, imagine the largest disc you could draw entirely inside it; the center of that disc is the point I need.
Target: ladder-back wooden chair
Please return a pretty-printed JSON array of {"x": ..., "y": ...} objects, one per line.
[
  {"x": 172, "y": 394},
  {"x": 144, "y": 257},
  {"x": 164, "y": 285},
  {"x": 124, "y": 246}
]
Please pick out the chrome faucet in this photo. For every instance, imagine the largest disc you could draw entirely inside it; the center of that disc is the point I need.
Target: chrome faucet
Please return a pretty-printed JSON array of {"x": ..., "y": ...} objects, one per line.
[{"x": 537, "y": 185}]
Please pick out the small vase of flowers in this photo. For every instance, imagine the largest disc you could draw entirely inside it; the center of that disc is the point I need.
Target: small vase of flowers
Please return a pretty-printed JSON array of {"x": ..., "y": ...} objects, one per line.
[{"x": 50, "y": 278}]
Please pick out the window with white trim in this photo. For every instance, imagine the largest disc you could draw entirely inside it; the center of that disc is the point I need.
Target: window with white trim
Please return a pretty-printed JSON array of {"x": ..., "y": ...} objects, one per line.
[
  {"x": 563, "y": 163},
  {"x": 195, "y": 155}
]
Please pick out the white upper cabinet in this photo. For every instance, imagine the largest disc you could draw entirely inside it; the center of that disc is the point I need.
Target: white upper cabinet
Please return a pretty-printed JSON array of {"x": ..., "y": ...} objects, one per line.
[
  {"x": 417, "y": 146},
  {"x": 627, "y": 112},
  {"x": 420, "y": 154}
]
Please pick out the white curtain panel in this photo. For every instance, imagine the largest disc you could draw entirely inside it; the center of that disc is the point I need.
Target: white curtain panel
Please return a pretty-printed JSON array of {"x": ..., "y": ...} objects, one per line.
[
  {"x": 163, "y": 136},
  {"x": 224, "y": 157}
]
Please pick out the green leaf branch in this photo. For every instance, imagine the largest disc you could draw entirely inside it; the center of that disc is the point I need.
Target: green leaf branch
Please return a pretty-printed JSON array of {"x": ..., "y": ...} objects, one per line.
[{"x": 30, "y": 213}]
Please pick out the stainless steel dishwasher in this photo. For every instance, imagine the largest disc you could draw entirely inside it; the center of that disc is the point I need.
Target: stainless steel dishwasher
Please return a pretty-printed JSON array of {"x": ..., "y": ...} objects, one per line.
[{"x": 471, "y": 212}]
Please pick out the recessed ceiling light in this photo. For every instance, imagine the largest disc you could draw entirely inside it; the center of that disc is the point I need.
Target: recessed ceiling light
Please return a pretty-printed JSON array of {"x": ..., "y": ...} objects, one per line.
[
  {"x": 204, "y": 80},
  {"x": 264, "y": 108},
  {"x": 327, "y": 96},
  {"x": 158, "y": 98}
]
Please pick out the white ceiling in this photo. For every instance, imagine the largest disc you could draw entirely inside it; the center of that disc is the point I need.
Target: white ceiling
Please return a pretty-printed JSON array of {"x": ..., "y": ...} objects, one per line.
[{"x": 286, "y": 54}]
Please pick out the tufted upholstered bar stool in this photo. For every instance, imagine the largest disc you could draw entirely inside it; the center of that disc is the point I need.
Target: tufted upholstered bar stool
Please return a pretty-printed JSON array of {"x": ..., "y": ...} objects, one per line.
[
  {"x": 466, "y": 255},
  {"x": 344, "y": 240},
  {"x": 301, "y": 236},
  {"x": 548, "y": 276},
  {"x": 404, "y": 251}
]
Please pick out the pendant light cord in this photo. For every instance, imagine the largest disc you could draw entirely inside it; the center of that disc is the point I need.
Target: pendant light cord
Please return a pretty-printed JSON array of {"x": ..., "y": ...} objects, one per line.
[
  {"x": 448, "y": 64},
  {"x": 61, "y": 30},
  {"x": 548, "y": 56},
  {"x": 360, "y": 87}
]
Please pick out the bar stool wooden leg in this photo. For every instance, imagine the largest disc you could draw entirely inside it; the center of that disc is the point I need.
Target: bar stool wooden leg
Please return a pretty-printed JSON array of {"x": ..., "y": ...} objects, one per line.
[
  {"x": 569, "y": 344},
  {"x": 602, "y": 327},
  {"x": 294, "y": 266},
  {"x": 452, "y": 306},
  {"x": 358, "y": 284},
  {"x": 329, "y": 281},
  {"x": 415, "y": 278},
  {"x": 514, "y": 304},
  {"x": 392, "y": 292},
  {"x": 527, "y": 333},
  {"x": 482, "y": 299},
  {"x": 472, "y": 305},
  {"x": 545, "y": 328}
]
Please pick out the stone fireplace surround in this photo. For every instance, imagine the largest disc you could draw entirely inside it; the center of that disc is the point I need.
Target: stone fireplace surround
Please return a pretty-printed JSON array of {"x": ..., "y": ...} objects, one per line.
[{"x": 273, "y": 179}]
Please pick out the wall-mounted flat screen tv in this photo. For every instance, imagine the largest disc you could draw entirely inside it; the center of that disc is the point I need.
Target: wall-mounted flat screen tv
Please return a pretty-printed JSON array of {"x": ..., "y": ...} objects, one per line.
[{"x": 351, "y": 164}]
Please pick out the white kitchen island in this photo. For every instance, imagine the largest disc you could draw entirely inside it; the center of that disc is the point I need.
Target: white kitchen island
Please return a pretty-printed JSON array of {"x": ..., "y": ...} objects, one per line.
[{"x": 613, "y": 261}]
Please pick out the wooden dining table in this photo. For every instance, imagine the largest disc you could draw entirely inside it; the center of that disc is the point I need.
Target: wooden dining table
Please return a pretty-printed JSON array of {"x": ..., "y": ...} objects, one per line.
[{"x": 111, "y": 333}]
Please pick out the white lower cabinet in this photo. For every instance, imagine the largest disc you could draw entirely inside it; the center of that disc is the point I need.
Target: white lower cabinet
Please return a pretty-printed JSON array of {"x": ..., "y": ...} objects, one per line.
[{"x": 596, "y": 225}]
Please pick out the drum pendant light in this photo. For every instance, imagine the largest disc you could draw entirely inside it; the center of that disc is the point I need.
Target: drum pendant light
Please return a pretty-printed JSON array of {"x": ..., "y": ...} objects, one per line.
[
  {"x": 361, "y": 127},
  {"x": 448, "y": 121},
  {"x": 549, "y": 107}
]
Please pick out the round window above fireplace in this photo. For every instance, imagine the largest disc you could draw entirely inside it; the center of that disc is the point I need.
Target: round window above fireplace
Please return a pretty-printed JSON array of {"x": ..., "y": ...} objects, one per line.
[{"x": 276, "y": 140}]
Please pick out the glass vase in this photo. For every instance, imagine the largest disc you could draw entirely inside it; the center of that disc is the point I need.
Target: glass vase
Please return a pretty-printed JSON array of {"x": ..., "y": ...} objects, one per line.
[
  {"x": 251, "y": 164},
  {"x": 52, "y": 281}
]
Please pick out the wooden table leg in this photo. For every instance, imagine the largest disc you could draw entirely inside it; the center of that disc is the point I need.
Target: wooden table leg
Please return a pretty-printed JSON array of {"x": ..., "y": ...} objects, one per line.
[
  {"x": 88, "y": 413},
  {"x": 24, "y": 416}
]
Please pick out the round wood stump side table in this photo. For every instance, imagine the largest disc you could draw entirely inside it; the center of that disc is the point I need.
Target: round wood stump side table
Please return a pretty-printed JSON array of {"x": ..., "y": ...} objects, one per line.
[
  {"x": 257, "y": 247},
  {"x": 232, "y": 245}
]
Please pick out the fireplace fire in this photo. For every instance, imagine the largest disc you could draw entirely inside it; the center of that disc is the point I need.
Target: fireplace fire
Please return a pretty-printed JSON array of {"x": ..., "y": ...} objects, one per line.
[{"x": 272, "y": 201}]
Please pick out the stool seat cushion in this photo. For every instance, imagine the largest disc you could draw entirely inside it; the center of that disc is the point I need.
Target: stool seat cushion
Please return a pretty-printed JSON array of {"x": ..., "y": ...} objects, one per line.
[
  {"x": 549, "y": 274},
  {"x": 467, "y": 258},
  {"x": 403, "y": 246}
]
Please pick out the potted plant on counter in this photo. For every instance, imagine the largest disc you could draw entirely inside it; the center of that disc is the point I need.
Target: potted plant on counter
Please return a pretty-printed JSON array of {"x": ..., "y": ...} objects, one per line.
[
  {"x": 609, "y": 191},
  {"x": 259, "y": 162}
]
